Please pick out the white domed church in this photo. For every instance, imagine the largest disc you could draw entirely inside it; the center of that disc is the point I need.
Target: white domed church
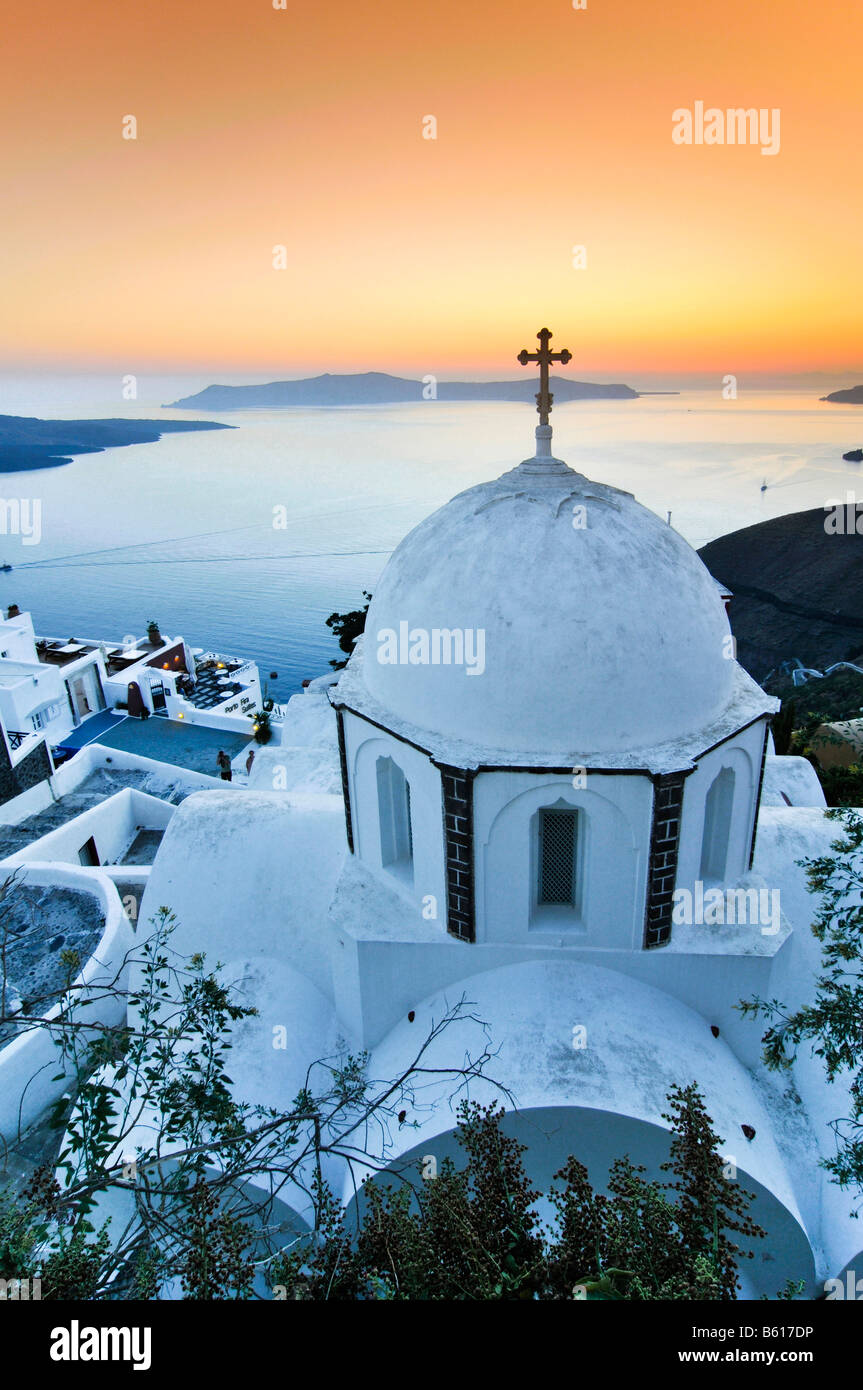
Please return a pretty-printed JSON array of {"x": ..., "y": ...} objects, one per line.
[
  {"x": 544, "y": 728},
  {"x": 543, "y": 785}
]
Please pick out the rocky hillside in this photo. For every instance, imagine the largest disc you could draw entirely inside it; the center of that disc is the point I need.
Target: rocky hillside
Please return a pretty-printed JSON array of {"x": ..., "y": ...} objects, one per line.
[{"x": 798, "y": 590}]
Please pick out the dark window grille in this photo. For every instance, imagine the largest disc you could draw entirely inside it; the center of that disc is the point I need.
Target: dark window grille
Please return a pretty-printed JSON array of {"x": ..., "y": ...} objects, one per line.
[{"x": 557, "y": 857}]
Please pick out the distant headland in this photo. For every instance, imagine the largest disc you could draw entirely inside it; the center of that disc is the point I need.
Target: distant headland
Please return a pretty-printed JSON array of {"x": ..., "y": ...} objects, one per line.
[
  {"x": 853, "y": 395},
  {"x": 26, "y": 442},
  {"x": 379, "y": 388}
]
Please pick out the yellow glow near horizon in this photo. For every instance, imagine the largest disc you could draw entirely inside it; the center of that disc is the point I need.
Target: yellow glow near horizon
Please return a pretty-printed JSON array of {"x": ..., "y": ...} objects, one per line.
[{"x": 260, "y": 127}]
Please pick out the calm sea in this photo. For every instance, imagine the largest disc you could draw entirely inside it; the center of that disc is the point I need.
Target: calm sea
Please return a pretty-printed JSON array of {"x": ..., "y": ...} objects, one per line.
[{"x": 184, "y": 528}]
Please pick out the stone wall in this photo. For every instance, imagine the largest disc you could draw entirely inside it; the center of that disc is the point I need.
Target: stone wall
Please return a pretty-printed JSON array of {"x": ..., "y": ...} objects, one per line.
[
  {"x": 457, "y": 787},
  {"x": 662, "y": 865},
  {"x": 32, "y": 769}
]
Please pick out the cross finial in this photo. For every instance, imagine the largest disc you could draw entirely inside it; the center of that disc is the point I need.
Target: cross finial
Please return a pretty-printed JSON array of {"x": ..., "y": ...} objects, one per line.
[{"x": 544, "y": 357}]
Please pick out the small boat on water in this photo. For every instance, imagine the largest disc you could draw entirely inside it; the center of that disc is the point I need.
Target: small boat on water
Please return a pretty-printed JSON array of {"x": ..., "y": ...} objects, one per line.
[{"x": 855, "y": 456}]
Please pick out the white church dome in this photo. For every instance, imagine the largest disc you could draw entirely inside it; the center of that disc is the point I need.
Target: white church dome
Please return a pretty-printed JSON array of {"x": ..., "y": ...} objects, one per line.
[{"x": 586, "y": 622}]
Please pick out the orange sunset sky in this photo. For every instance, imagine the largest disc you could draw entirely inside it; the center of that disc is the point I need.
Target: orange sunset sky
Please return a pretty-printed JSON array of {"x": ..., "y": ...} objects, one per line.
[{"x": 303, "y": 126}]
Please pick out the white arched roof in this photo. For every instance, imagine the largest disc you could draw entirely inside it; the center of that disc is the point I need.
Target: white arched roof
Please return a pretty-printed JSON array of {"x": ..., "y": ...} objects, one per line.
[
  {"x": 604, "y": 635},
  {"x": 639, "y": 1042},
  {"x": 249, "y": 877}
]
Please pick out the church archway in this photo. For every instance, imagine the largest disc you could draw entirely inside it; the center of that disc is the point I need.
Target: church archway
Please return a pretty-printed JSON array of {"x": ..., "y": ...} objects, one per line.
[
  {"x": 394, "y": 819},
  {"x": 718, "y": 806},
  {"x": 597, "y": 1137}
]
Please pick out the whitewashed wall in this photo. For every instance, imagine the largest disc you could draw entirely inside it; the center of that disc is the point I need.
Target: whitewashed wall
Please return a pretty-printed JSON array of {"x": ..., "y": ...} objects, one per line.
[
  {"x": 742, "y": 753},
  {"x": 113, "y": 824},
  {"x": 30, "y": 1062},
  {"x": 364, "y": 745},
  {"x": 614, "y": 838},
  {"x": 74, "y": 771}
]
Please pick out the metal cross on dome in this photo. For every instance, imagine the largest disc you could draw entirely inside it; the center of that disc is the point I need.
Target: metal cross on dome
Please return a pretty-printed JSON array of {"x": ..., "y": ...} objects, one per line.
[{"x": 544, "y": 357}]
